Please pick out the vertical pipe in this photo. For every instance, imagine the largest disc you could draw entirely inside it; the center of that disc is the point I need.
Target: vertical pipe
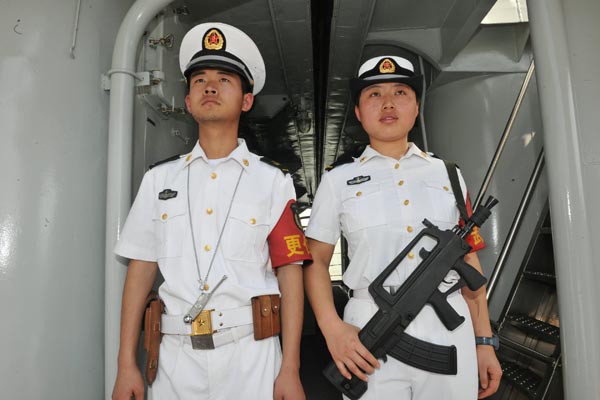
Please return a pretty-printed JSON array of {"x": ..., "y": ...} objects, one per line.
[
  {"x": 564, "y": 37},
  {"x": 422, "y": 106},
  {"x": 118, "y": 193}
]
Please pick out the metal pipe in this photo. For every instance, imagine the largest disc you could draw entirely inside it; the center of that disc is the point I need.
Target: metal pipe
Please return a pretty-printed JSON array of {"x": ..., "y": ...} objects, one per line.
[
  {"x": 505, "y": 135},
  {"x": 537, "y": 171},
  {"x": 75, "y": 30},
  {"x": 562, "y": 32},
  {"x": 118, "y": 191},
  {"x": 422, "y": 106}
]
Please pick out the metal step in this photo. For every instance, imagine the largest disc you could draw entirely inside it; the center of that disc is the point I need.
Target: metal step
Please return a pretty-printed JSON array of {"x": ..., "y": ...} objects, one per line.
[
  {"x": 521, "y": 378},
  {"x": 543, "y": 277},
  {"x": 523, "y": 349},
  {"x": 531, "y": 326}
]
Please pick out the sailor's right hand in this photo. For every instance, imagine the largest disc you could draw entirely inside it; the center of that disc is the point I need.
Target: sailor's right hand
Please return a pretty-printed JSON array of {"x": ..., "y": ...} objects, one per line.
[
  {"x": 129, "y": 384},
  {"x": 348, "y": 352}
]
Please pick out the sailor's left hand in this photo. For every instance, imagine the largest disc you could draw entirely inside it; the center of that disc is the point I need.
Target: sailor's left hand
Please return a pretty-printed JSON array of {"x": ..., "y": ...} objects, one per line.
[
  {"x": 490, "y": 371},
  {"x": 288, "y": 385}
]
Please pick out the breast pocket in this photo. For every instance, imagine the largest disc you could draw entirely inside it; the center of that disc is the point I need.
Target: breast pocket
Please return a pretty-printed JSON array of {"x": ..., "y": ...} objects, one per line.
[
  {"x": 363, "y": 207},
  {"x": 442, "y": 200},
  {"x": 170, "y": 224},
  {"x": 245, "y": 234}
]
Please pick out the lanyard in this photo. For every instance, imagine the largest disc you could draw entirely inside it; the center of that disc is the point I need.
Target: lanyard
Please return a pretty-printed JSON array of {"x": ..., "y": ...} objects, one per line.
[{"x": 203, "y": 282}]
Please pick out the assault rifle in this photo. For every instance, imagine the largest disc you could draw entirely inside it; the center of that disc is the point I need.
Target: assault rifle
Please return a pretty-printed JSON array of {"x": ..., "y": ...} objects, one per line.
[{"x": 384, "y": 333}]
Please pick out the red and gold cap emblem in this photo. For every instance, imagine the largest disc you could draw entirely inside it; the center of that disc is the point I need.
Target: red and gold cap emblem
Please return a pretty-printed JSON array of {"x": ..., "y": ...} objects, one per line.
[
  {"x": 387, "y": 66},
  {"x": 213, "y": 40}
]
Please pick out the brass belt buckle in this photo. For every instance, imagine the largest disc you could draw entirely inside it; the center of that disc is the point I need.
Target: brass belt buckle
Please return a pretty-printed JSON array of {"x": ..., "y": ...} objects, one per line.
[{"x": 202, "y": 331}]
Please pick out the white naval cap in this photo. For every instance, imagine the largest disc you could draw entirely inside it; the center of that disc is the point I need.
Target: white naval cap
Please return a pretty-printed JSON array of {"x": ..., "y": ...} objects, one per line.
[
  {"x": 218, "y": 45},
  {"x": 385, "y": 69}
]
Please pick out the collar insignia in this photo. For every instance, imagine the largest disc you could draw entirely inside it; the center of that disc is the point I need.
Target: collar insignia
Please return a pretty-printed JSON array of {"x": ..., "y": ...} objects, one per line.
[
  {"x": 357, "y": 180},
  {"x": 387, "y": 66},
  {"x": 214, "y": 40},
  {"x": 167, "y": 194}
]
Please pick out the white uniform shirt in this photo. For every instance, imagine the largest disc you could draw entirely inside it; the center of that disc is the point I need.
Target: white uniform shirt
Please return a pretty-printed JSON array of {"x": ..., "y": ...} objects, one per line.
[
  {"x": 379, "y": 203},
  {"x": 159, "y": 230}
]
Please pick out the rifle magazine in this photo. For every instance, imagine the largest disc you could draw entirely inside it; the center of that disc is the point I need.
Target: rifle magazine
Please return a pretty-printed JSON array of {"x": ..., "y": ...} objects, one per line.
[{"x": 423, "y": 355}]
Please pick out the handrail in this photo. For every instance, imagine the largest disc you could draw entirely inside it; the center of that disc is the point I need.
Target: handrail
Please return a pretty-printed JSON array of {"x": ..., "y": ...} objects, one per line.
[
  {"x": 505, "y": 135},
  {"x": 515, "y": 225}
]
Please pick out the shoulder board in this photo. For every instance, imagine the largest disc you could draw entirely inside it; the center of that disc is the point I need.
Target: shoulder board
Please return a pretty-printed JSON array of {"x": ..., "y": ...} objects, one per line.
[
  {"x": 347, "y": 157},
  {"x": 275, "y": 164},
  {"x": 440, "y": 158},
  {"x": 340, "y": 161},
  {"x": 166, "y": 160}
]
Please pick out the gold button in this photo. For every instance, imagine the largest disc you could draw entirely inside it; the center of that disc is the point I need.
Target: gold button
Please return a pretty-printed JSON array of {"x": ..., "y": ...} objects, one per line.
[
  {"x": 207, "y": 247},
  {"x": 446, "y": 188},
  {"x": 246, "y": 163},
  {"x": 358, "y": 194},
  {"x": 396, "y": 166},
  {"x": 409, "y": 229},
  {"x": 213, "y": 175},
  {"x": 209, "y": 211},
  {"x": 411, "y": 255},
  {"x": 401, "y": 182},
  {"x": 164, "y": 216},
  {"x": 252, "y": 221},
  {"x": 188, "y": 157},
  {"x": 406, "y": 202},
  {"x": 362, "y": 159}
]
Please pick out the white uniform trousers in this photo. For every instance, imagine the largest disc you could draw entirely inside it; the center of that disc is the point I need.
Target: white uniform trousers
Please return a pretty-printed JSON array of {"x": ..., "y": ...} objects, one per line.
[
  {"x": 245, "y": 369},
  {"x": 398, "y": 381}
]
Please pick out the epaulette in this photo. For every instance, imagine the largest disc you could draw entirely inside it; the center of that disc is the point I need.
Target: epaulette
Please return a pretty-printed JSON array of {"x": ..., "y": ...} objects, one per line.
[
  {"x": 440, "y": 158},
  {"x": 166, "y": 160},
  {"x": 346, "y": 158},
  {"x": 340, "y": 161},
  {"x": 275, "y": 164}
]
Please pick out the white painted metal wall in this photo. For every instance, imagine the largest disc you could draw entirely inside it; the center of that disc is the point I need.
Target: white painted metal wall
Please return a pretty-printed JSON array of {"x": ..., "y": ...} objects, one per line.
[{"x": 53, "y": 155}]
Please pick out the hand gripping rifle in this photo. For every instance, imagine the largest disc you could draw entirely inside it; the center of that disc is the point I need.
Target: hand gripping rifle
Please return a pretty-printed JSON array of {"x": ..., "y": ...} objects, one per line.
[{"x": 384, "y": 333}]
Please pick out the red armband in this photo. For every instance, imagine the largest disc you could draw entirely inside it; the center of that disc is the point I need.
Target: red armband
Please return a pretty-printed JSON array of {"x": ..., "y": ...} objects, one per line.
[
  {"x": 287, "y": 243},
  {"x": 474, "y": 239}
]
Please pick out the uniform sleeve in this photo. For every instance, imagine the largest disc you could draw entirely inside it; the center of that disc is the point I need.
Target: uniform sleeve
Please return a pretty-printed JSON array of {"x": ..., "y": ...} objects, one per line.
[
  {"x": 287, "y": 243},
  {"x": 475, "y": 240},
  {"x": 324, "y": 223},
  {"x": 138, "y": 240}
]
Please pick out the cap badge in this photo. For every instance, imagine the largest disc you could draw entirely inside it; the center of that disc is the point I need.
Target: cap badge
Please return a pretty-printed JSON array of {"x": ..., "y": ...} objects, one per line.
[
  {"x": 387, "y": 66},
  {"x": 214, "y": 40}
]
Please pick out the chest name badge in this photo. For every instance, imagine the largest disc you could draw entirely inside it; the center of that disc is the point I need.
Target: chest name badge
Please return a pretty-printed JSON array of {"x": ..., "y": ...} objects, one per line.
[
  {"x": 358, "y": 180},
  {"x": 167, "y": 194}
]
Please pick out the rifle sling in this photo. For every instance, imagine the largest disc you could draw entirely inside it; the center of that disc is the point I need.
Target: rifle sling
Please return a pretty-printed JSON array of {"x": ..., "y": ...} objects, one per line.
[
  {"x": 458, "y": 194},
  {"x": 421, "y": 354}
]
